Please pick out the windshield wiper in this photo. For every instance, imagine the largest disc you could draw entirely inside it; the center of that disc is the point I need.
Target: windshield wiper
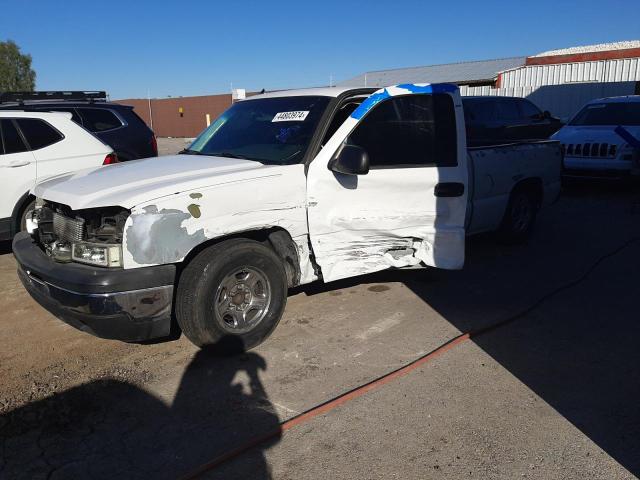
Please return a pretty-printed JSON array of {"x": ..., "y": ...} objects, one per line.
[
  {"x": 297, "y": 152},
  {"x": 229, "y": 155}
]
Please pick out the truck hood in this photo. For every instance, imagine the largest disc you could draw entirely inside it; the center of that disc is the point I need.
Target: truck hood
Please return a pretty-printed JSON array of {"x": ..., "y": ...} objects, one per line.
[
  {"x": 593, "y": 134},
  {"x": 130, "y": 183}
]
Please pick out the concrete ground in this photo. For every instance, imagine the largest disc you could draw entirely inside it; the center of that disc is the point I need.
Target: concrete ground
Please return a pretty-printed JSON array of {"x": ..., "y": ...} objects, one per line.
[
  {"x": 170, "y": 146},
  {"x": 553, "y": 394}
]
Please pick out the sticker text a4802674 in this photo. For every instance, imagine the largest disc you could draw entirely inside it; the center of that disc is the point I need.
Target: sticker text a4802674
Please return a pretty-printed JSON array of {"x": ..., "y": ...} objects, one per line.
[{"x": 298, "y": 116}]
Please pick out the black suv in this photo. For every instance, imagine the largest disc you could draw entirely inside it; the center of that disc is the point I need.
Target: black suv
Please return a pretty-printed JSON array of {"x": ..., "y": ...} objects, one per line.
[
  {"x": 116, "y": 125},
  {"x": 496, "y": 120}
]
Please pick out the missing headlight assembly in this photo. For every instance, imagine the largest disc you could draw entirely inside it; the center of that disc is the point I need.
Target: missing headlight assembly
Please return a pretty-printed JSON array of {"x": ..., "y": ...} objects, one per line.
[{"x": 90, "y": 236}]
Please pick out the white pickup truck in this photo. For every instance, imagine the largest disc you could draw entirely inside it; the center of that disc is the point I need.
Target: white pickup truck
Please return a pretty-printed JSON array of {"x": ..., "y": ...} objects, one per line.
[{"x": 281, "y": 190}]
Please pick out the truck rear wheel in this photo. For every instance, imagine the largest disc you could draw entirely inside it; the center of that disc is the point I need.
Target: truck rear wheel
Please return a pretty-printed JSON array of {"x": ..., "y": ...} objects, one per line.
[
  {"x": 231, "y": 296},
  {"x": 519, "y": 218}
]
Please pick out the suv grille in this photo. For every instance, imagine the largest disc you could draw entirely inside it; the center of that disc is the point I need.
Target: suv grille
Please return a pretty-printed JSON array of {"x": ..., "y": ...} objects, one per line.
[
  {"x": 602, "y": 150},
  {"x": 67, "y": 229}
]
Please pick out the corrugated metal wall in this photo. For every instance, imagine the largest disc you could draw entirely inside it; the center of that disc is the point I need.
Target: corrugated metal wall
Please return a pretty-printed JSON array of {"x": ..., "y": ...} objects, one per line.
[
  {"x": 614, "y": 70},
  {"x": 565, "y": 87},
  {"x": 563, "y": 100}
]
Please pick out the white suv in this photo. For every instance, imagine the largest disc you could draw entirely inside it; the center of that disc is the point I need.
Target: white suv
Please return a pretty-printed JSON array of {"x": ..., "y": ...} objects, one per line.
[
  {"x": 603, "y": 139},
  {"x": 35, "y": 146}
]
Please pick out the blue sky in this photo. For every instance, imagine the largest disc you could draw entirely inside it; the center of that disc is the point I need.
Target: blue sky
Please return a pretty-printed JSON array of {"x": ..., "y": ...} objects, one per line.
[{"x": 200, "y": 47}]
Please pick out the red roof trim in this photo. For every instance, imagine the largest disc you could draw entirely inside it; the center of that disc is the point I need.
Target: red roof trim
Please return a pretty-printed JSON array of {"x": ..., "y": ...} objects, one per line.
[{"x": 584, "y": 57}]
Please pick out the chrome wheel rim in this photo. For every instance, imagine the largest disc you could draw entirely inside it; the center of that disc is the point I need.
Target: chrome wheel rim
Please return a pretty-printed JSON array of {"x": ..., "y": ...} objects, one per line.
[
  {"x": 521, "y": 213},
  {"x": 242, "y": 299}
]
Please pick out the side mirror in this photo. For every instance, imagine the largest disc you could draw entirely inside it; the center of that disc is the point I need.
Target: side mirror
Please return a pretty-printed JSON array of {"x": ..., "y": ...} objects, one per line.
[
  {"x": 546, "y": 114},
  {"x": 350, "y": 160}
]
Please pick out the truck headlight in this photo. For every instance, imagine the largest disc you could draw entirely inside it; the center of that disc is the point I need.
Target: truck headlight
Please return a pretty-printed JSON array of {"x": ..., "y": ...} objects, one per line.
[
  {"x": 31, "y": 217},
  {"x": 103, "y": 255},
  {"x": 31, "y": 221}
]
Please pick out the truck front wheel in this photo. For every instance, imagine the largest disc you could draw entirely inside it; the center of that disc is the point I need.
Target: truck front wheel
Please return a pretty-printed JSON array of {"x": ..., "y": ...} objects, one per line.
[{"x": 231, "y": 296}]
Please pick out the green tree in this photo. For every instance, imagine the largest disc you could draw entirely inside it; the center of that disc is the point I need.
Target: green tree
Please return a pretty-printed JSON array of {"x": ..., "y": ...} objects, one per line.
[{"x": 16, "y": 74}]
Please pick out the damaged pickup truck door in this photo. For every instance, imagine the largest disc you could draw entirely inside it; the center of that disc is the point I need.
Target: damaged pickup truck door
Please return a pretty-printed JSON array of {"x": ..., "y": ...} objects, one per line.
[{"x": 409, "y": 207}]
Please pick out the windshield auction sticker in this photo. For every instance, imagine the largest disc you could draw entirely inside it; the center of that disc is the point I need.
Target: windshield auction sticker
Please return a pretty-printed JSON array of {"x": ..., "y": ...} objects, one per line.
[{"x": 290, "y": 116}]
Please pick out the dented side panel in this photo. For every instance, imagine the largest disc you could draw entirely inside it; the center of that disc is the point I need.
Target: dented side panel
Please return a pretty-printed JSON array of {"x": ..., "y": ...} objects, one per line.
[
  {"x": 165, "y": 230},
  {"x": 389, "y": 217},
  {"x": 356, "y": 225}
]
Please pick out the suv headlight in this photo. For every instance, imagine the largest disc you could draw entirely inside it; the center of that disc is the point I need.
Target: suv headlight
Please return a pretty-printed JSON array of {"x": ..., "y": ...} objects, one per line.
[
  {"x": 103, "y": 255},
  {"x": 626, "y": 152}
]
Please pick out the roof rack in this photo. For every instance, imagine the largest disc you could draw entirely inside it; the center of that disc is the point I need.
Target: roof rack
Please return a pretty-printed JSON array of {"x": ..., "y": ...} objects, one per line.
[{"x": 21, "y": 97}]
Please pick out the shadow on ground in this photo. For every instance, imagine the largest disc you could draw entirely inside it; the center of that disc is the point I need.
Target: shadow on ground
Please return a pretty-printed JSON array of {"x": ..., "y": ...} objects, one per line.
[
  {"x": 112, "y": 429},
  {"x": 579, "y": 349}
]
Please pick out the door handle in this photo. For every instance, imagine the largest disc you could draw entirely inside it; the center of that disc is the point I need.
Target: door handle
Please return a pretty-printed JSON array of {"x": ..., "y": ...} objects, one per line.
[
  {"x": 449, "y": 189},
  {"x": 19, "y": 163}
]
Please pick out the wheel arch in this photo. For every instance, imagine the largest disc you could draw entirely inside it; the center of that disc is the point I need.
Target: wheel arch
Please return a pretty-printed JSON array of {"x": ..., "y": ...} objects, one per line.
[
  {"x": 534, "y": 186},
  {"x": 16, "y": 215},
  {"x": 276, "y": 238}
]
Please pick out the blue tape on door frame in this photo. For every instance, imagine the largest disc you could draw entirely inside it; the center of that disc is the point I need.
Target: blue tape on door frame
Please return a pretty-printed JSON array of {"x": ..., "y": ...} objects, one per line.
[{"x": 384, "y": 93}]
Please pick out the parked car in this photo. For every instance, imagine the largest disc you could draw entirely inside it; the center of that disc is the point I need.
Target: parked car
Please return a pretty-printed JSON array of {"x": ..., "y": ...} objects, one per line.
[
  {"x": 116, "y": 125},
  {"x": 283, "y": 189},
  {"x": 494, "y": 120},
  {"x": 598, "y": 140},
  {"x": 33, "y": 147}
]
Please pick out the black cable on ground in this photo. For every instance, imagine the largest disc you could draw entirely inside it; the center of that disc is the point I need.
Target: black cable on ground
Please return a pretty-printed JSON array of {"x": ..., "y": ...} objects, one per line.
[{"x": 356, "y": 392}]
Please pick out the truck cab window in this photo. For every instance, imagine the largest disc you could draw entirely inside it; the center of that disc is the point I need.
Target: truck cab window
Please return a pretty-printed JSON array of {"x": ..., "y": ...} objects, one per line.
[
  {"x": 339, "y": 118},
  {"x": 409, "y": 131}
]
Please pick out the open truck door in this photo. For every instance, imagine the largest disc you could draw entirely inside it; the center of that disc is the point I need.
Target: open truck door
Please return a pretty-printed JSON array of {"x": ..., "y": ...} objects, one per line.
[{"x": 389, "y": 188}]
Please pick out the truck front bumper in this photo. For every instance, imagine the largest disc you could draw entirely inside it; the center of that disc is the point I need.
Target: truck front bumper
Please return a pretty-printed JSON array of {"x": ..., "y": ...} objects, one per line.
[{"x": 129, "y": 305}]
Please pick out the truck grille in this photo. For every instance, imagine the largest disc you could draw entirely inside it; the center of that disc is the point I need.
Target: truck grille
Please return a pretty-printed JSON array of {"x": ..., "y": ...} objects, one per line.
[
  {"x": 67, "y": 229},
  {"x": 600, "y": 150}
]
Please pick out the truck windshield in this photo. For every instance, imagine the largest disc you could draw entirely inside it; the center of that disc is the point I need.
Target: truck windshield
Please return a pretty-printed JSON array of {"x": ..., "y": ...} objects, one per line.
[
  {"x": 268, "y": 130},
  {"x": 615, "y": 113}
]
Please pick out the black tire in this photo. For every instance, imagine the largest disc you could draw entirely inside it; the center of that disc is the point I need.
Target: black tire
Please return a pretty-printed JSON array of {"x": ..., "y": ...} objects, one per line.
[
  {"x": 204, "y": 284},
  {"x": 519, "y": 218},
  {"x": 23, "y": 215}
]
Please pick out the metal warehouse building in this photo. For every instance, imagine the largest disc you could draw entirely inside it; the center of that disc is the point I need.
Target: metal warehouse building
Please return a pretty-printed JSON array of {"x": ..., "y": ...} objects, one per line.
[{"x": 560, "y": 81}]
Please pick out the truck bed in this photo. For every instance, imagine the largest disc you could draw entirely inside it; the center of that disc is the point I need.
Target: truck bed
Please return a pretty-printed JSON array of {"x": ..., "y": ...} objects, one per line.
[{"x": 495, "y": 171}]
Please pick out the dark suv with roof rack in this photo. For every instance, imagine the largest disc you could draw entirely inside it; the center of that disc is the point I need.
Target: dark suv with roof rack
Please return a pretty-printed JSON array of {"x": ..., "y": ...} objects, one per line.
[{"x": 116, "y": 125}]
